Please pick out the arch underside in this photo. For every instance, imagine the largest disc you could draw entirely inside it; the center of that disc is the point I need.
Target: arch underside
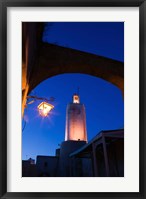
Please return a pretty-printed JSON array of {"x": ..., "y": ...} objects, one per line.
[{"x": 53, "y": 60}]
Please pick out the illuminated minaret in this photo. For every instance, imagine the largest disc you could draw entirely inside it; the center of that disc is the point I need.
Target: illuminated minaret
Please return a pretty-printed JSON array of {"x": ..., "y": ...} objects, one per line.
[
  {"x": 75, "y": 121},
  {"x": 75, "y": 134}
]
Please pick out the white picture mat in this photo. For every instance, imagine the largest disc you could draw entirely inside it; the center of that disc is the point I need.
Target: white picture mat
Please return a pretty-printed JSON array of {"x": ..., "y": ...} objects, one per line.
[{"x": 130, "y": 181}]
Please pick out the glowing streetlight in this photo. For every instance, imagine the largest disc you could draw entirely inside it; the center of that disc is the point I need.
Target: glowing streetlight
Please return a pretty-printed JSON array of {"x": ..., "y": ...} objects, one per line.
[{"x": 44, "y": 108}]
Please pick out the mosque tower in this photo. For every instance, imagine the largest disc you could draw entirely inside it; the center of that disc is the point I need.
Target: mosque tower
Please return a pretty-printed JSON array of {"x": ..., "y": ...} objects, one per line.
[
  {"x": 75, "y": 134},
  {"x": 75, "y": 121}
]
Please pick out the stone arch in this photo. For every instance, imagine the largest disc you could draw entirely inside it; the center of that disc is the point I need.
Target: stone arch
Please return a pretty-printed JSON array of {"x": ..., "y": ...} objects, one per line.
[
  {"x": 42, "y": 60},
  {"x": 54, "y": 60}
]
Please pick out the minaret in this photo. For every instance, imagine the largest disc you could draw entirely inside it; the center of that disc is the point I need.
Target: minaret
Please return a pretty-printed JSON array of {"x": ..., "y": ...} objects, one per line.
[
  {"x": 75, "y": 121},
  {"x": 75, "y": 134}
]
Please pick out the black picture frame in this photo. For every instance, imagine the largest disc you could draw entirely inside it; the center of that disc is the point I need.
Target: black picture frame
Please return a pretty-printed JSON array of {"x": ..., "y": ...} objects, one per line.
[{"x": 4, "y": 4}]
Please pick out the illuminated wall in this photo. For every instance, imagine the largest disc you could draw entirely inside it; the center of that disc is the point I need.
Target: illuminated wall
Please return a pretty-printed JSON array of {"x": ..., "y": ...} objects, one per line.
[{"x": 75, "y": 121}]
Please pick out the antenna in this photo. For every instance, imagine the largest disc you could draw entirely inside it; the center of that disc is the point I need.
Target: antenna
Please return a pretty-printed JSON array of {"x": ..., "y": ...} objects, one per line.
[{"x": 78, "y": 90}]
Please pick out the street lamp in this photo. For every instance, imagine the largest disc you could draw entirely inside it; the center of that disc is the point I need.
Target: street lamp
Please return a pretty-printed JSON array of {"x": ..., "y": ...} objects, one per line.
[{"x": 44, "y": 107}]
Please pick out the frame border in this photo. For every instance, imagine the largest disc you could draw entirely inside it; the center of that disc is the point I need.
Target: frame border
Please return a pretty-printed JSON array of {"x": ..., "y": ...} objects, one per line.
[{"x": 4, "y": 4}]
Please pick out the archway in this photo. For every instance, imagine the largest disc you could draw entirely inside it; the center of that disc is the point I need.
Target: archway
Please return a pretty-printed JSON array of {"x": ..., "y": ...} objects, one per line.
[
  {"x": 44, "y": 60},
  {"x": 54, "y": 60}
]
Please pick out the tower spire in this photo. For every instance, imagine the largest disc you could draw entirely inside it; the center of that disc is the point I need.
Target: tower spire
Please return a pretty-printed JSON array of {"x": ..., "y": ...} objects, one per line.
[
  {"x": 76, "y": 99},
  {"x": 78, "y": 90}
]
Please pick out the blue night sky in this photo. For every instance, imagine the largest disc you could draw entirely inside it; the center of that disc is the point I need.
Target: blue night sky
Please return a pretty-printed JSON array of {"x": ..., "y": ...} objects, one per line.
[{"x": 103, "y": 101}]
